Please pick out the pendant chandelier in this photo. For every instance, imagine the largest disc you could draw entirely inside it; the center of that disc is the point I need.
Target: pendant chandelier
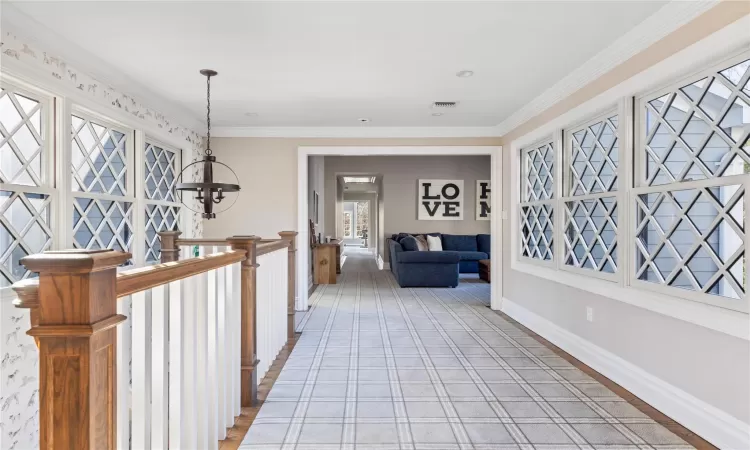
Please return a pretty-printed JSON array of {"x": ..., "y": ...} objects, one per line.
[{"x": 207, "y": 192}]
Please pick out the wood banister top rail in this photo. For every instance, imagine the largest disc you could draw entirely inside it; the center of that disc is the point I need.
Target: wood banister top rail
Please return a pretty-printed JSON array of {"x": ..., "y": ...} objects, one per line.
[
  {"x": 201, "y": 242},
  {"x": 271, "y": 245},
  {"x": 142, "y": 278}
]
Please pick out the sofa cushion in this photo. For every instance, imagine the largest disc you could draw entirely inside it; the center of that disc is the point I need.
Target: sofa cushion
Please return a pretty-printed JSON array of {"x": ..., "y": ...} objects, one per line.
[
  {"x": 409, "y": 243},
  {"x": 472, "y": 256},
  {"x": 428, "y": 257},
  {"x": 422, "y": 243},
  {"x": 434, "y": 244},
  {"x": 458, "y": 242},
  {"x": 484, "y": 243}
]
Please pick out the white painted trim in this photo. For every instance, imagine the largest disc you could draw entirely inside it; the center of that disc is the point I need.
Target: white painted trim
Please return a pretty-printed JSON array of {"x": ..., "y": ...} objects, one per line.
[
  {"x": 726, "y": 321},
  {"x": 381, "y": 264},
  {"x": 711, "y": 423},
  {"x": 669, "y": 18},
  {"x": 496, "y": 155},
  {"x": 364, "y": 131}
]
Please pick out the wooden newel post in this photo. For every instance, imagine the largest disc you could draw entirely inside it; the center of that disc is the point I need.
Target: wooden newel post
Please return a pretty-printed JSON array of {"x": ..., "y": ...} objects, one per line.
[
  {"x": 76, "y": 332},
  {"x": 169, "y": 249},
  {"x": 291, "y": 236},
  {"x": 248, "y": 339}
]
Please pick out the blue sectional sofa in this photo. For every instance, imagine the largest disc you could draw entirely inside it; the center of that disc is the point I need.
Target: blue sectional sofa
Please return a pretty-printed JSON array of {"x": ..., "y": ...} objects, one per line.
[{"x": 413, "y": 268}]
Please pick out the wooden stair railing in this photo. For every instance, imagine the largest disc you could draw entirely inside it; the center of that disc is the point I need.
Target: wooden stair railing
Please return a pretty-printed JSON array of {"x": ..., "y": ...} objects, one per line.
[{"x": 74, "y": 319}]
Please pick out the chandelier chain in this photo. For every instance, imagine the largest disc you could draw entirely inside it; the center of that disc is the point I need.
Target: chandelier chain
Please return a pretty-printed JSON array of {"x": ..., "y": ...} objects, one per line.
[{"x": 208, "y": 114}]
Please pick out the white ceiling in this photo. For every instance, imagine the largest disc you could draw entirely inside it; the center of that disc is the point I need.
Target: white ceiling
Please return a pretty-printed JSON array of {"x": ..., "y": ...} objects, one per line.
[{"x": 327, "y": 64}]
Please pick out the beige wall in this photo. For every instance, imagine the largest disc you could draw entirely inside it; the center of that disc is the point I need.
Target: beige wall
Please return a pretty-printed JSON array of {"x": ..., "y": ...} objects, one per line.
[
  {"x": 709, "y": 365},
  {"x": 267, "y": 168},
  {"x": 399, "y": 179}
]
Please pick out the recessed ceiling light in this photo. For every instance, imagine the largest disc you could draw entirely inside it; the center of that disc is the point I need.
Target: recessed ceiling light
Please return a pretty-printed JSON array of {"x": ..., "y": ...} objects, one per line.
[
  {"x": 364, "y": 120},
  {"x": 251, "y": 114},
  {"x": 437, "y": 114},
  {"x": 359, "y": 179},
  {"x": 464, "y": 74}
]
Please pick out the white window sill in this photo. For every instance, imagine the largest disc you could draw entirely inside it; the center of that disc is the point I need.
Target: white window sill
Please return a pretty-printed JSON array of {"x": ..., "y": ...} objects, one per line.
[{"x": 726, "y": 321}]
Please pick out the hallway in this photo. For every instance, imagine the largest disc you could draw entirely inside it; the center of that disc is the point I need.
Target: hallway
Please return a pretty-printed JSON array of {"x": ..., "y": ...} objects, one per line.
[{"x": 380, "y": 367}]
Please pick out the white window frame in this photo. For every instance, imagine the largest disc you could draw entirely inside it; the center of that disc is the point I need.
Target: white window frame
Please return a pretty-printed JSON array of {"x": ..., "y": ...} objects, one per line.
[
  {"x": 671, "y": 302},
  {"x": 47, "y": 166},
  {"x": 554, "y": 139},
  {"x": 130, "y": 180},
  {"x": 640, "y": 187},
  {"x": 566, "y": 152},
  {"x": 142, "y": 202}
]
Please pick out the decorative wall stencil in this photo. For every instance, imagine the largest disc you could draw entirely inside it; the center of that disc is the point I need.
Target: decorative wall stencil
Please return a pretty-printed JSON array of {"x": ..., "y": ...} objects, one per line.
[
  {"x": 484, "y": 199},
  {"x": 440, "y": 200}
]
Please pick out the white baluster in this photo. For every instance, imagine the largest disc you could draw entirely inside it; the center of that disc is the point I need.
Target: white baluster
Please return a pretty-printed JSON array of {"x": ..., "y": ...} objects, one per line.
[
  {"x": 159, "y": 368},
  {"x": 201, "y": 371},
  {"x": 214, "y": 434},
  {"x": 177, "y": 425},
  {"x": 124, "y": 332},
  {"x": 141, "y": 413},
  {"x": 221, "y": 352},
  {"x": 237, "y": 329},
  {"x": 189, "y": 347}
]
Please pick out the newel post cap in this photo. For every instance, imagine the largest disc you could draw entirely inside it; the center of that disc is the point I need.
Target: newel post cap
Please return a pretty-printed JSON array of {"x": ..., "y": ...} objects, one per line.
[{"x": 75, "y": 261}]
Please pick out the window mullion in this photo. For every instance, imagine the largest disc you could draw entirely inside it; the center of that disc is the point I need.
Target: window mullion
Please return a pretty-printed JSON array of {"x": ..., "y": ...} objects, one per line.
[
  {"x": 137, "y": 168},
  {"x": 63, "y": 215}
]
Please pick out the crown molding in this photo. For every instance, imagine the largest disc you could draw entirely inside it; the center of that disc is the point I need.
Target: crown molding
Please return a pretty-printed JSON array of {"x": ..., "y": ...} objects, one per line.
[
  {"x": 18, "y": 23},
  {"x": 669, "y": 18},
  {"x": 356, "y": 132}
]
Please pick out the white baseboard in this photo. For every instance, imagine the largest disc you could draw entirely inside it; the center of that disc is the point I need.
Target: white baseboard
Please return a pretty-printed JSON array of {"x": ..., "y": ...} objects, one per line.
[
  {"x": 709, "y": 422},
  {"x": 381, "y": 264}
]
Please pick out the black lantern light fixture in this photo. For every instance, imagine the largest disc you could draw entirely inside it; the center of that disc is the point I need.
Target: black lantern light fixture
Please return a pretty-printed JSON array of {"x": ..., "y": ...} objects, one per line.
[{"x": 208, "y": 192}]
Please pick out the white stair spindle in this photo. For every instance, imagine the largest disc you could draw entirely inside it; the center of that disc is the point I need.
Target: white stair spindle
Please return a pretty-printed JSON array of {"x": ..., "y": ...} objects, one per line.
[
  {"x": 159, "y": 368},
  {"x": 141, "y": 412},
  {"x": 236, "y": 273},
  {"x": 123, "y": 374},
  {"x": 212, "y": 361},
  {"x": 201, "y": 370},
  {"x": 221, "y": 353},
  {"x": 177, "y": 427},
  {"x": 190, "y": 386}
]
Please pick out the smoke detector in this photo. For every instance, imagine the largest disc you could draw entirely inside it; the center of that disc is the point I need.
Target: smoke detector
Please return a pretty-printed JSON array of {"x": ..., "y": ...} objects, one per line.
[{"x": 442, "y": 105}]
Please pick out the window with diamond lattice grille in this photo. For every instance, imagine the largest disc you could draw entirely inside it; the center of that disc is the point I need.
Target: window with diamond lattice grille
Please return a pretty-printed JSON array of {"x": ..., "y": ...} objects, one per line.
[
  {"x": 590, "y": 202},
  {"x": 22, "y": 138},
  {"x": 690, "y": 193},
  {"x": 98, "y": 157},
  {"x": 537, "y": 212},
  {"x": 25, "y": 194},
  {"x": 162, "y": 208}
]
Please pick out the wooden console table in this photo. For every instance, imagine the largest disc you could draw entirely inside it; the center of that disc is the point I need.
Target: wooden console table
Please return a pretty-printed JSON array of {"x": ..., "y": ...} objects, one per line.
[{"x": 327, "y": 261}]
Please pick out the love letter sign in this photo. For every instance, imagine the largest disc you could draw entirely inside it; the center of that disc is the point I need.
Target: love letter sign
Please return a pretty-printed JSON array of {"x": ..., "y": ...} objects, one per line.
[{"x": 440, "y": 200}]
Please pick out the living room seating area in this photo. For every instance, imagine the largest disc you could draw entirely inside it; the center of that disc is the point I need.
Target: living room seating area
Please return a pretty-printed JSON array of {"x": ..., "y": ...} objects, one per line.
[{"x": 435, "y": 259}]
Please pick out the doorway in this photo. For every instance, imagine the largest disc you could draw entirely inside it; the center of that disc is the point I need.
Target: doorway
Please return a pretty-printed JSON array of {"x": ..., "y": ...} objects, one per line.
[{"x": 496, "y": 224}]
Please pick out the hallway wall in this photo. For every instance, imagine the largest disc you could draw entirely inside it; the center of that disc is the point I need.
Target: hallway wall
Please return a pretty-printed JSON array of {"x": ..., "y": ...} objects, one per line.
[
  {"x": 267, "y": 168},
  {"x": 399, "y": 179}
]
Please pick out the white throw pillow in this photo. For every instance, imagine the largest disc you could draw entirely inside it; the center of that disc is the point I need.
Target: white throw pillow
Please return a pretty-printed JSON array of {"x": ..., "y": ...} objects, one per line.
[{"x": 434, "y": 243}]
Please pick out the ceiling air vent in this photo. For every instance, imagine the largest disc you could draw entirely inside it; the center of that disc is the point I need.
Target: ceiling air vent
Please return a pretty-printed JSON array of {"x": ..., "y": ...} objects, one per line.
[{"x": 436, "y": 105}]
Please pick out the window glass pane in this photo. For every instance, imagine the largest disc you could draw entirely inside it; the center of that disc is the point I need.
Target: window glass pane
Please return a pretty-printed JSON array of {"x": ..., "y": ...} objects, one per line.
[
  {"x": 538, "y": 164},
  {"x": 537, "y": 231},
  {"x": 158, "y": 218},
  {"x": 102, "y": 224},
  {"x": 21, "y": 139},
  {"x": 98, "y": 159},
  {"x": 161, "y": 173},
  {"x": 591, "y": 234},
  {"x": 699, "y": 131},
  {"x": 24, "y": 230},
  {"x": 594, "y": 158},
  {"x": 693, "y": 239}
]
